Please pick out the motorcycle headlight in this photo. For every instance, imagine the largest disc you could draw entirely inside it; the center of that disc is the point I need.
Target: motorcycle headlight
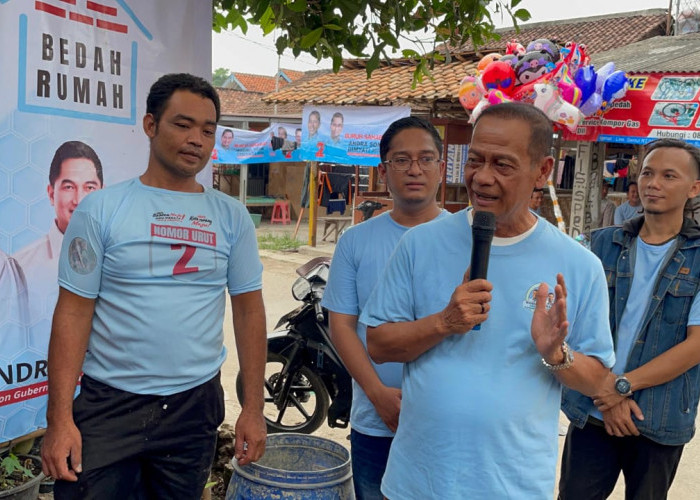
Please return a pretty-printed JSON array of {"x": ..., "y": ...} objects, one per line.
[{"x": 301, "y": 288}]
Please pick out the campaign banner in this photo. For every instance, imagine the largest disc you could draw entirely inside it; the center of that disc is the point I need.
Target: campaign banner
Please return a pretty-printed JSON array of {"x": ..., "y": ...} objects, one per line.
[
  {"x": 346, "y": 135},
  {"x": 280, "y": 142},
  {"x": 655, "y": 106},
  {"x": 75, "y": 76}
]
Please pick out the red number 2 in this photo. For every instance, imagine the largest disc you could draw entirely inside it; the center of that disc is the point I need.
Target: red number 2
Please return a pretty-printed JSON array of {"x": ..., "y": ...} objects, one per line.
[{"x": 181, "y": 265}]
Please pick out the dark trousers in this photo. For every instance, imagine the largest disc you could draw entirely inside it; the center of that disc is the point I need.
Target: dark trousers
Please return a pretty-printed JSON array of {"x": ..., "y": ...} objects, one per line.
[
  {"x": 593, "y": 459},
  {"x": 144, "y": 447},
  {"x": 369, "y": 456}
]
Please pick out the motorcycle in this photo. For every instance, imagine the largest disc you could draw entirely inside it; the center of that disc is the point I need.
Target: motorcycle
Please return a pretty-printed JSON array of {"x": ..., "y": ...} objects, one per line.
[{"x": 304, "y": 372}]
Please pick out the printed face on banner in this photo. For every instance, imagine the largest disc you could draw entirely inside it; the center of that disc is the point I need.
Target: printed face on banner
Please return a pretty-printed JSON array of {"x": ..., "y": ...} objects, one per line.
[
  {"x": 348, "y": 135},
  {"x": 77, "y": 178}
]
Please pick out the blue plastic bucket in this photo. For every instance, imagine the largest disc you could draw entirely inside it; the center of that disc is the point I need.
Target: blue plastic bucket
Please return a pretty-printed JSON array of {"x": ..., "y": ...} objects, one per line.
[{"x": 295, "y": 466}]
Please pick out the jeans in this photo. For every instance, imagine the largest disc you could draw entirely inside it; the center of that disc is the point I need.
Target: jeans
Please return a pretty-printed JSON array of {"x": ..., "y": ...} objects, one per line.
[
  {"x": 593, "y": 459},
  {"x": 369, "y": 456}
]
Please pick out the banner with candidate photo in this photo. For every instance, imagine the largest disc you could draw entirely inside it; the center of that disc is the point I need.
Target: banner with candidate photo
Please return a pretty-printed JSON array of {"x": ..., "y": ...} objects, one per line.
[
  {"x": 280, "y": 142},
  {"x": 75, "y": 76},
  {"x": 346, "y": 135}
]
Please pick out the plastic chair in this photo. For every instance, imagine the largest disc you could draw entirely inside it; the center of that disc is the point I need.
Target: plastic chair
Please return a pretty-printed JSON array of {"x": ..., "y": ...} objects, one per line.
[{"x": 280, "y": 212}]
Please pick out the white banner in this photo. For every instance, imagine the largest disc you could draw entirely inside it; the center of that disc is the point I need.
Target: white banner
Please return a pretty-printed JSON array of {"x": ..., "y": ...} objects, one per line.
[{"x": 75, "y": 76}]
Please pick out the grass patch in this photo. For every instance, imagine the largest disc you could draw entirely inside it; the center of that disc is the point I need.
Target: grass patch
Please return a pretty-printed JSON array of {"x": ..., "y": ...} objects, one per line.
[{"x": 274, "y": 242}]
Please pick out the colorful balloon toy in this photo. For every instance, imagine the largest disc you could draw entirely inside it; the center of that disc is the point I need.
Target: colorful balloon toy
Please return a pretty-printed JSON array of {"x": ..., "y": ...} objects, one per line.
[
  {"x": 498, "y": 76},
  {"x": 470, "y": 92},
  {"x": 543, "y": 44},
  {"x": 532, "y": 66},
  {"x": 557, "y": 109},
  {"x": 562, "y": 84}
]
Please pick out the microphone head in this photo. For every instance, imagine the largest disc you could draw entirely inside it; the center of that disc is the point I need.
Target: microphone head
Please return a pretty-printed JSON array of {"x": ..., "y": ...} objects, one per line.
[{"x": 484, "y": 221}]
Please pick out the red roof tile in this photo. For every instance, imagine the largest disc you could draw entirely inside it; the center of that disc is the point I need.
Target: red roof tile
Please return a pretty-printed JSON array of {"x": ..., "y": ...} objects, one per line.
[
  {"x": 599, "y": 33},
  {"x": 250, "y": 104}
]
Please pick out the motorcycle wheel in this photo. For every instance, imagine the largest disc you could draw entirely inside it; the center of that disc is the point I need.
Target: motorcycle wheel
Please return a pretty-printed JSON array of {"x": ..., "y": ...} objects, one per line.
[{"x": 306, "y": 406}]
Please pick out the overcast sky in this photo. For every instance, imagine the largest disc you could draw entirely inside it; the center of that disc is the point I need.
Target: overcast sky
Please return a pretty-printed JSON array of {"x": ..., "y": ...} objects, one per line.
[{"x": 253, "y": 53}]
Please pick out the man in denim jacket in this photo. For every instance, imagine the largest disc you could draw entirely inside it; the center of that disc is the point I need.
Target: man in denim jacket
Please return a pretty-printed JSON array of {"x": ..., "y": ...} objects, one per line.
[{"x": 644, "y": 412}]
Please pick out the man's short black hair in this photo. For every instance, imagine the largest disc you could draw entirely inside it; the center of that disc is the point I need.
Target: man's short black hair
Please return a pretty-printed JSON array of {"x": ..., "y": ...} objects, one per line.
[
  {"x": 693, "y": 151},
  {"x": 406, "y": 123},
  {"x": 538, "y": 190},
  {"x": 541, "y": 127},
  {"x": 337, "y": 114},
  {"x": 69, "y": 150},
  {"x": 629, "y": 185},
  {"x": 227, "y": 131},
  {"x": 166, "y": 85}
]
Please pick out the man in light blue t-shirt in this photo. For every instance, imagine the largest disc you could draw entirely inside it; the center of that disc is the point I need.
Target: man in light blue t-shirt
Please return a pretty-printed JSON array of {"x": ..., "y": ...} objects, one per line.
[
  {"x": 480, "y": 407},
  {"x": 631, "y": 208},
  {"x": 644, "y": 413},
  {"x": 412, "y": 169},
  {"x": 143, "y": 272}
]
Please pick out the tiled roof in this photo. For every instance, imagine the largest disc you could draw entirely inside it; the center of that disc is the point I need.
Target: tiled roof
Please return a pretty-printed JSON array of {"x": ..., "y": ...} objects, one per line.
[
  {"x": 250, "y": 104},
  {"x": 677, "y": 54},
  {"x": 263, "y": 83},
  {"x": 388, "y": 86},
  {"x": 599, "y": 33},
  {"x": 392, "y": 84}
]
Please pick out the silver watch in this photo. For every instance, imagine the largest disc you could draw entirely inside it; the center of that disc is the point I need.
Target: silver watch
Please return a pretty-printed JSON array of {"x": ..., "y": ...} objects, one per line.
[{"x": 568, "y": 359}]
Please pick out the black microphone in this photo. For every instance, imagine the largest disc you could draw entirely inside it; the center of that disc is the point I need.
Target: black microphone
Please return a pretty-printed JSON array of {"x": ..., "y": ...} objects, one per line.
[{"x": 483, "y": 227}]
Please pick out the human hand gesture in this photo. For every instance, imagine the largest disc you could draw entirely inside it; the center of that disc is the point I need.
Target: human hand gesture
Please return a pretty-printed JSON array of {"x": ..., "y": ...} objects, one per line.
[
  {"x": 468, "y": 306},
  {"x": 549, "y": 327},
  {"x": 251, "y": 434},
  {"x": 618, "y": 420},
  {"x": 62, "y": 444},
  {"x": 607, "y": 396},
  {"x": 387, "y": 402}
]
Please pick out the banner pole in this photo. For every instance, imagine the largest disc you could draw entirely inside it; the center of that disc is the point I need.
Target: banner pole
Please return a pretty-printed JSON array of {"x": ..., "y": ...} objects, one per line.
[{"x": 313, "y": 203}]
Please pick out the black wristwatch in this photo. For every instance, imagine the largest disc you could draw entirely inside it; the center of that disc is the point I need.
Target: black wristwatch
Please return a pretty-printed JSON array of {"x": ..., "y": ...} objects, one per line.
[{"x": 623, "y": 386}]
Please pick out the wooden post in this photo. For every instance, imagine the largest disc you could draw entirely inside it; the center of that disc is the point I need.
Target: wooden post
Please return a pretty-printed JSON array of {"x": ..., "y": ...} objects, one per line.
[{"x": 313, "y": 203}]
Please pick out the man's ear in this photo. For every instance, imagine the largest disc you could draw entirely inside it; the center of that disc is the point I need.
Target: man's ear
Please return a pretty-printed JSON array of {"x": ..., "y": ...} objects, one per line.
[
  {"x": 382, "y": 172},
  {"x": 50, "y": 192},
  {"x": 544, "y": 171},
  {"x": 150, "y": 126},
  {"x": 694, "y": 190}
]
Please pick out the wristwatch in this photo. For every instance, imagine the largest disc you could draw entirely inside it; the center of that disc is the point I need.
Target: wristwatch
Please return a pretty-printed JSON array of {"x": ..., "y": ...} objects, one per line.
[
  {"x": 623, "y": 386},
  {"x": 568, "y": 359}
]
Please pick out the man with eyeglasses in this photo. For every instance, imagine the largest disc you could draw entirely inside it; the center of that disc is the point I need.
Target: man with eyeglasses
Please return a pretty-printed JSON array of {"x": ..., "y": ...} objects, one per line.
[
  {"x": 412, "y": 169},
  {"x": 480, "y": 407}
]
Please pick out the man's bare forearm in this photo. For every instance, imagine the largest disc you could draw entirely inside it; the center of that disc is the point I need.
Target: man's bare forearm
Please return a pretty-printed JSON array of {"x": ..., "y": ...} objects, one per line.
[
  {"x": 585, "y": 375},
  {"x": 405, "y": 341},
  {"x": 251, "y": 343},
  {"x": 70, "y": 332}
]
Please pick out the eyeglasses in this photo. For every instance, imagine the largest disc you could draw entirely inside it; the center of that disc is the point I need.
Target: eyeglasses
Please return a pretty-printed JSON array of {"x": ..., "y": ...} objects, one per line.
[{"x": 403, "y": 163}]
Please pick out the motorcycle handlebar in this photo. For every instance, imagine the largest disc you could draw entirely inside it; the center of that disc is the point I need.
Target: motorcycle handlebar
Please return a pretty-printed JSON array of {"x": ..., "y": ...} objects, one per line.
[{"x": 319, "y": 311}]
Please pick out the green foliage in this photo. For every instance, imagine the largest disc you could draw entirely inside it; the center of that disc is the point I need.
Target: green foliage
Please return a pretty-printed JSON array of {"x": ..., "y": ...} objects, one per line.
[
  {"x": 219, "y": 76},
  {"x": 370, "y": 29},
  {"x": 276, "y": 242},
  {"x": 13, "y": 472}
]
